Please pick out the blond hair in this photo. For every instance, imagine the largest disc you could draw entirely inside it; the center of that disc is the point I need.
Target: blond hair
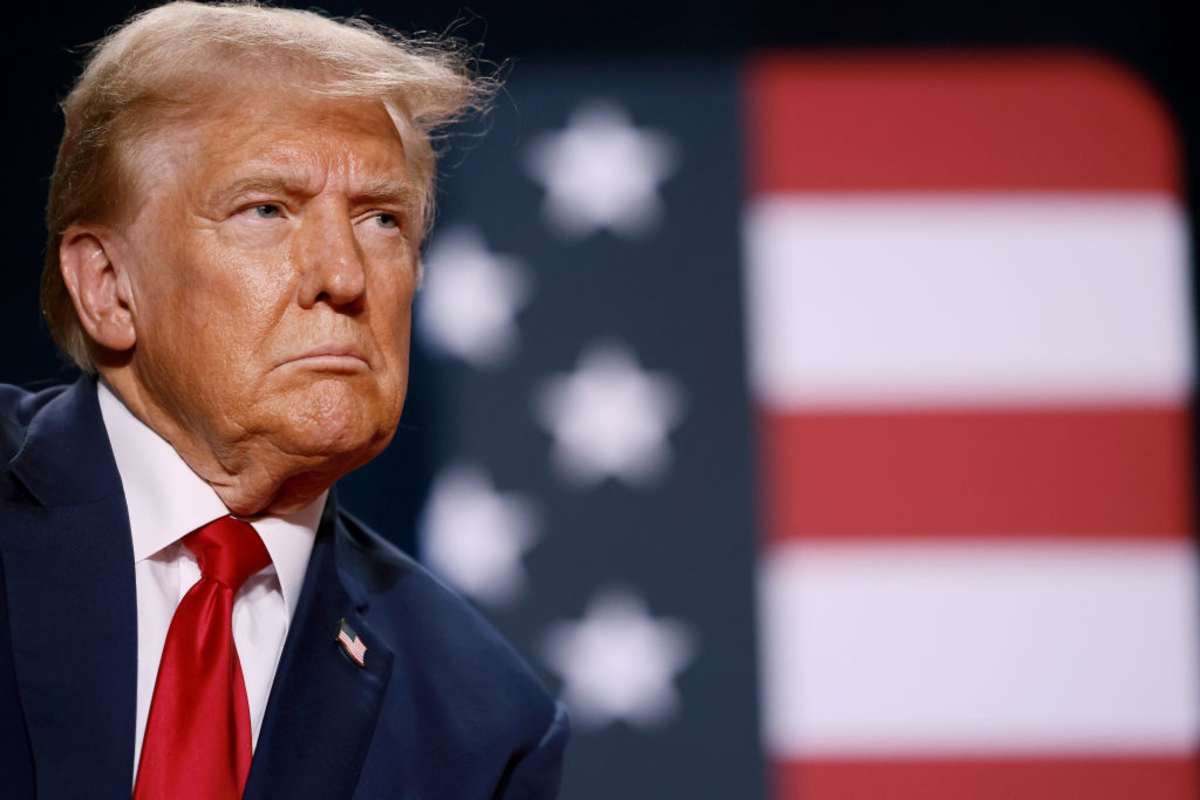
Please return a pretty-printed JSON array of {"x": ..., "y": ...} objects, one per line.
[{"x": 168, "y": 61}]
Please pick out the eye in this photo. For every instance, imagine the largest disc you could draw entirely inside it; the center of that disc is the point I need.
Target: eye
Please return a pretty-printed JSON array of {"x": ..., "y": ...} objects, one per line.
[
  {"x": 386, "y": 220},
  {"x": 267, "y": 211}
]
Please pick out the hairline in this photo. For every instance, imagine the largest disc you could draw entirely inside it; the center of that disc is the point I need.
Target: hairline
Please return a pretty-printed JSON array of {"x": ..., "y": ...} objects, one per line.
[{"x": 159, "y": 129}]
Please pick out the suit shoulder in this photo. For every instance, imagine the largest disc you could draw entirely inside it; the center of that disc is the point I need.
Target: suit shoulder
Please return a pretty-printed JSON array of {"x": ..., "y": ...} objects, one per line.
[
  {"x": 454, "y": 638},
  {"x": 17, "y": 408}
]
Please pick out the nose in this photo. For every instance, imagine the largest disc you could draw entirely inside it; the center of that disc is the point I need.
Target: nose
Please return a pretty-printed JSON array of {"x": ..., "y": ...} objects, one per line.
[{"x": 334, "y": 269}]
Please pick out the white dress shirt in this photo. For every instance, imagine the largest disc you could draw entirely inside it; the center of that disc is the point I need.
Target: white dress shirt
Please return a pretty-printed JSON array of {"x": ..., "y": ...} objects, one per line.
[{"x": 166, "y": 501}]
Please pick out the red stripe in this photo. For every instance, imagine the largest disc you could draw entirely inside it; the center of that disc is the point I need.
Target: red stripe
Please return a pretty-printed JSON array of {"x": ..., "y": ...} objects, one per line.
[
  {"x": 1088, "y": 472},
  {"x": 1062, "y": 122},
  {"x": 1026, "y": 779}
]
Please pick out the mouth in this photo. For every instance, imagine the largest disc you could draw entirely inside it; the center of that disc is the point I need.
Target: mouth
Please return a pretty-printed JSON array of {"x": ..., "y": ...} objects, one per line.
[{"x": 333, "y": 358}]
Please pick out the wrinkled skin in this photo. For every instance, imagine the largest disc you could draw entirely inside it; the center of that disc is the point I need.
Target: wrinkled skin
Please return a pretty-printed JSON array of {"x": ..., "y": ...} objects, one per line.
[{"x": 253, "y": 307}]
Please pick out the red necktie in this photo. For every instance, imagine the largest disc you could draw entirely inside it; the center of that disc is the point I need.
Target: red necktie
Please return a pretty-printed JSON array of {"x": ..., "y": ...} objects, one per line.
[{"x": 197, "y": 741}]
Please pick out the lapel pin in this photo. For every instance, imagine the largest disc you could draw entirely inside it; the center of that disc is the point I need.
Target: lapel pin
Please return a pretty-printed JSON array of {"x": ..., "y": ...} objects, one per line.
[{"x": 350, "y": 643}]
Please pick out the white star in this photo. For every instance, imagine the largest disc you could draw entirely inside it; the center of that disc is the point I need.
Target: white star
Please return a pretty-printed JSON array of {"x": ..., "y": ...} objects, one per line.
[
  {"x": 601, "y": 172},
  {"x": 469, "y": 298},
  {"x": 618, "y": 662},
  {"x": 609, "y": 418},
  {"x": 474, "y": 537}
]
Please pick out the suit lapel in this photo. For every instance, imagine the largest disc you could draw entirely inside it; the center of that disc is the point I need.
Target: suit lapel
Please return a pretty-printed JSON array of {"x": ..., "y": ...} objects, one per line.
[
  {"x": 323, "y": 708},
  {"x": 69, "y": 571}
]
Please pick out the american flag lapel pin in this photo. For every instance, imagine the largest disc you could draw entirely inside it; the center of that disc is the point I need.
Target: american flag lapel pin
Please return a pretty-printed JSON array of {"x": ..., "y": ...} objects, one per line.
[{"x": 350, "y": 642}]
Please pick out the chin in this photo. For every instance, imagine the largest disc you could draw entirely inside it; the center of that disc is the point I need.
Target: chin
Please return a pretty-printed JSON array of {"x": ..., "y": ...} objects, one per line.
[{"x": 337, "y": 419}]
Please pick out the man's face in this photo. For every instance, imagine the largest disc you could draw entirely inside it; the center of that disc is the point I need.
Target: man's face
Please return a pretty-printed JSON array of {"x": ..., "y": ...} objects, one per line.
[{"x": 272, "y": 274}]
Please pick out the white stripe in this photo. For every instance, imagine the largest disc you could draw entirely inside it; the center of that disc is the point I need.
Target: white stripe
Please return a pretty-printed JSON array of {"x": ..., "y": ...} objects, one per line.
[
  {"x": 951, "y": 648},
  {"x": 883, "y": 300}
]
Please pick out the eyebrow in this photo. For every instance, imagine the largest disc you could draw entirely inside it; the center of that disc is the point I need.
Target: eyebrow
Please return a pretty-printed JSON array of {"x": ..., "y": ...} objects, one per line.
[
  {"x": 385, "y": 190},
  {"x": 266, "y": 184},
  {"x": 375, "y": 190}
]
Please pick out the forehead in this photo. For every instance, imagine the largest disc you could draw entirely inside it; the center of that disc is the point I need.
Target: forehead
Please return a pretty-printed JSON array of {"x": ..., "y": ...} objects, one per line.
[{"x": 317, "y": 139}]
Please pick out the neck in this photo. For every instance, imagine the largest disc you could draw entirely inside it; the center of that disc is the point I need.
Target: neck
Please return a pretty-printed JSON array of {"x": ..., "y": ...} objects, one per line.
[{"x": 248, "y": 475}]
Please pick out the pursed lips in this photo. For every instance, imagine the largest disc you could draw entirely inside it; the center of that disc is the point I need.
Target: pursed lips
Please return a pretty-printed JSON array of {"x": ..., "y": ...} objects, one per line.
[{"x": 331, "y": 356}]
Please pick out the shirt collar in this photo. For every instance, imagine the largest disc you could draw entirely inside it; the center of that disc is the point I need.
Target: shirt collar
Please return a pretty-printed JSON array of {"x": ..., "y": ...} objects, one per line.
[{"x": 166, "y": 500}]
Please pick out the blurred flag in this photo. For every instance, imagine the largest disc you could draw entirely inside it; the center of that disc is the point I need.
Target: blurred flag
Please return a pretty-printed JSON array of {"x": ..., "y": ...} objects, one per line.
[
  {"x": 819, "y": 427},
  {"x": 971, "y": 346}
]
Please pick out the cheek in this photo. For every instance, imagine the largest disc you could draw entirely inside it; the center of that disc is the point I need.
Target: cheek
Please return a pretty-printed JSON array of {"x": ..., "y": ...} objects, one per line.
[
  {"x": 391, "y": 296},
  {"x": 255, "y": 291},
  {"x": 399, "y": 324},
  {"x": 220, "y": 308},
  {"x": 244, "y": 286}
]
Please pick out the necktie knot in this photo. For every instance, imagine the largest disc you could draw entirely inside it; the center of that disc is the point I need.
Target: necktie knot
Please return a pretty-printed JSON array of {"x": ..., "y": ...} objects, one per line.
[{"x": 229, "y": 551}]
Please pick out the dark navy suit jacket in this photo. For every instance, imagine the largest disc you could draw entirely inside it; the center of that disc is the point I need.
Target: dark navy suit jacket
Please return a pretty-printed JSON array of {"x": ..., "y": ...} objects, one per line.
[{"x": 442, "y": 710}]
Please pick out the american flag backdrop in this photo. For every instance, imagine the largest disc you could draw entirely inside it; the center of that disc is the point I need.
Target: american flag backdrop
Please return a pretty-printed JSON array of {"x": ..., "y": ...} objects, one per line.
[
  {"x": 971, "y": 359},
  {"x": 818, "y": 426}
]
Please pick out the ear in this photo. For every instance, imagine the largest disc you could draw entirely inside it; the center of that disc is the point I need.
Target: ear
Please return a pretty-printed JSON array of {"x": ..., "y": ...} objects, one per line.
[{"x": 98, "y": 288}]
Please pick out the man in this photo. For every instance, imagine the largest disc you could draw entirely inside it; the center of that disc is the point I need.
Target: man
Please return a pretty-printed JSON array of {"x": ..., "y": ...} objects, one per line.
[{"x": 234, "y": 223}]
